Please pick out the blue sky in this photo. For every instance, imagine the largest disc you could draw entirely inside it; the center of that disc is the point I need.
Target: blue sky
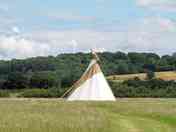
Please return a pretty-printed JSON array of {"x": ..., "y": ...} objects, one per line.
[
  {"x": 37, "y": 27},
  {"x": 49, "y": 13}
]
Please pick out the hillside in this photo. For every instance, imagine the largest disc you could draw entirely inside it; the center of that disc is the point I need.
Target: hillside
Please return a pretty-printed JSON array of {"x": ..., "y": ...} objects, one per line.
[
  {"x": 63, "y": 70},
  {"x": 170, "y": 75}
]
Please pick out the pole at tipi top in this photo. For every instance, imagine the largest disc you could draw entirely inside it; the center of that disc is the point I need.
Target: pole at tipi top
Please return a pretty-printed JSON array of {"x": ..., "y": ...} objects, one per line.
[{"x": 95, "y": 56}]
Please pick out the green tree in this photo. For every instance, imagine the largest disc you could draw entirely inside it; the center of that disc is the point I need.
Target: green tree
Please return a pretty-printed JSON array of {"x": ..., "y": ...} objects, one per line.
[
  {"x": 123, "y": 68},
  {"x": 44, "y": 79},
  {"x": 16, "y": 80},
  {"x": 150, "y": 74}
]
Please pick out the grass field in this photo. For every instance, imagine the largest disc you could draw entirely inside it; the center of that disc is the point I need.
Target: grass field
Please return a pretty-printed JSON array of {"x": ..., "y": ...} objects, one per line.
[
  {"x": 170, "y": 75},
  {"x": 54, "y": 115}
]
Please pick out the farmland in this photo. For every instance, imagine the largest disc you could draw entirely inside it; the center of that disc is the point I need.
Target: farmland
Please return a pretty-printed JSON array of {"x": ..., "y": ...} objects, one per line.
[
  {"x": 170, "y": 75},
  {"x": 55, "y": 115}
]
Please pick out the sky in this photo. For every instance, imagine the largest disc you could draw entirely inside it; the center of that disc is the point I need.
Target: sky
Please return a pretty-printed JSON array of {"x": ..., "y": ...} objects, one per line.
[{"x": 50, "y": 27}]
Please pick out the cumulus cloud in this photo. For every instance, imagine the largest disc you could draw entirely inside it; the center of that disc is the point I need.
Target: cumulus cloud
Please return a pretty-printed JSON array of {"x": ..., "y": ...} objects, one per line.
[
  {"x": 54, "y": 42},
  {"x": 153, "y": 34},
  {"x": 169, "y": 5},
  {"x": 16, "y": 30},
  {"x": 85, "y": 39},
  {"x": 6, "y": 23},
  {"x": 73, "y": 45},
  {"x": 14, "y": 47}
]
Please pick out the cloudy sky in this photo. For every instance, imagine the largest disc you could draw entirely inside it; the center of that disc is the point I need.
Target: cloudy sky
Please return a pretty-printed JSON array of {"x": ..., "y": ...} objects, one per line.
[{"x": 48, "y": 27}]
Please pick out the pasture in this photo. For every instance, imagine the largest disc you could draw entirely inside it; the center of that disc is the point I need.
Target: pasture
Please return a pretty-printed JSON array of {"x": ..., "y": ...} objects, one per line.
[
  {"x": 170, "y": 75},
  {"x": 55, "y": 115}
]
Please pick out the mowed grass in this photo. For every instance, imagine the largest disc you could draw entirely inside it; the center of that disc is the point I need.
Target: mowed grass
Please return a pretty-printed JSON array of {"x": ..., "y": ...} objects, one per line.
[
  {"x": 54, "y": 115},
  {"x": 170, "y": 75}
]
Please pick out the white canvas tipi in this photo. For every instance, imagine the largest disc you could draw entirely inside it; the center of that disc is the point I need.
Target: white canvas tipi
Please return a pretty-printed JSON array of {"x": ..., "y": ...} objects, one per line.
[{"x": 92, "y": 85}]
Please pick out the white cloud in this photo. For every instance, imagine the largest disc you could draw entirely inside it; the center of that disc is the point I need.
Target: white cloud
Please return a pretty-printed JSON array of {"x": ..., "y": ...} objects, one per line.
[
  {"x": 85, "y": 39},
  {"x": 6, "y": 23},
  {"x": 153, "y": 34},
  {"x": 169, "y": 5},
  {"x": 16, "y": 30},
  {"x": 14, "y": 47},
  {"x": 54, "y": 42},
  {"x": 73, "y": 45}
]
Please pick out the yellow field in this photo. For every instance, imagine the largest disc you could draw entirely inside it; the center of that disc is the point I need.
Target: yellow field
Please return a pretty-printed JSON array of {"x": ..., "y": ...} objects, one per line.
[{"x": 171, "y": 75}]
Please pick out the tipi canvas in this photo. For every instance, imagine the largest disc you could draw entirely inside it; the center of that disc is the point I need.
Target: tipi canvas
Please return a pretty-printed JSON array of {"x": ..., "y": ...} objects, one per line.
[{"x": 92, "y": 85}]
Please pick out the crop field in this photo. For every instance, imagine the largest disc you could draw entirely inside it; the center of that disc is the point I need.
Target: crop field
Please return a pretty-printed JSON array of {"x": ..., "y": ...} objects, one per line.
[
  {"x": 171, "y": 75},
  {"x": 55, "y": 115}
]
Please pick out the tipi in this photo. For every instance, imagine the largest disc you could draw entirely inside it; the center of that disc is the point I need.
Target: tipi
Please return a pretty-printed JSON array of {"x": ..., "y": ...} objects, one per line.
[{"x": 92, "y": 85}]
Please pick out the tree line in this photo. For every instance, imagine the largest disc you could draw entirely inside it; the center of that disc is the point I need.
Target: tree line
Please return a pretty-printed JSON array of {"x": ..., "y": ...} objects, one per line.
[
  {"x": 63, "y": 70},
  {"x": 153, "y": 88}
]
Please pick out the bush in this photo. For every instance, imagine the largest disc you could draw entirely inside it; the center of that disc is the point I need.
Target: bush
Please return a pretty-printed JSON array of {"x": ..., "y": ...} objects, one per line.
[
  {"x": 41, "y": 93},
  {"x": 4, "y": 93},
  {"x": 139, "y": 88}
]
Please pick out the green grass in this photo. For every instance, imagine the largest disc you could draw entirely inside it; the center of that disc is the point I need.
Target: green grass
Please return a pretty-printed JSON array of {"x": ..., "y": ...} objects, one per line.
[
  {"x": 170, "y": 75},
  {"x": 54, "y": 115}
]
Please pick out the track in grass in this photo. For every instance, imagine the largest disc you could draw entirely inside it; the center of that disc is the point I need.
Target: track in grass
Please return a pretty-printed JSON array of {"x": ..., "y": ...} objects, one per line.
[{"x": 124, "y": 115}]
